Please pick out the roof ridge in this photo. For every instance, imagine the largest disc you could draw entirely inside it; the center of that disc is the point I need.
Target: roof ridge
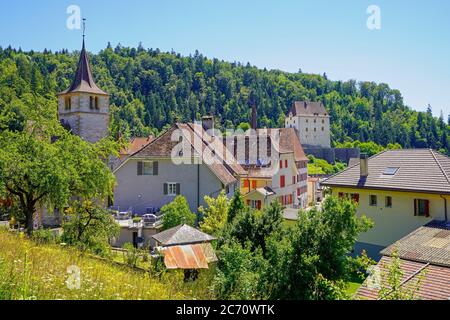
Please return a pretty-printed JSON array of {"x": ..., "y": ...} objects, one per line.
[
  {"x": 210, "y": 147},
  {"x": 440, "y": 166},
  {"x": 153, "y": 141},
  {"x": 356, "y": 164}
]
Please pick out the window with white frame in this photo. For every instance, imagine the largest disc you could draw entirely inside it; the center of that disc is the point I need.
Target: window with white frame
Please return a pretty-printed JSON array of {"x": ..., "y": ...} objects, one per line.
[
  {"x": 171, "y": 189},
  {"x": 147, "y": 168}
]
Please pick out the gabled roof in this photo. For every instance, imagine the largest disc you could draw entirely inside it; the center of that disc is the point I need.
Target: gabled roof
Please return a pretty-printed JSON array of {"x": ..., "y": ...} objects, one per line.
[
  {"x": 265, "y": 191},
  {"x": 182, "y": 234},
  {"x": 83, "y": 80},
  {"x": 419, "y": 170},
  {"x": 306, "y": 108},
  {"x": 225, "y": 167},
  {"x": 289, "y": 141},
  {"x": 282, "y": 140}
]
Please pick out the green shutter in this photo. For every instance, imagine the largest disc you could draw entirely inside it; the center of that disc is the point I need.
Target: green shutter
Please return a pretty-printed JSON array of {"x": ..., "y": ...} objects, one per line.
[
  {"x": 165, "y": 189},
  {"x": 139, "y": 168},
  {"x": 155, "y": 168},
  {"x": 178, "y": 189}
]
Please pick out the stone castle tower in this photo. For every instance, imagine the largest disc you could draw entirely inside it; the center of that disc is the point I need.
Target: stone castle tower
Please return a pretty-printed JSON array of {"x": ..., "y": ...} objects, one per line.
[{"x": 84, "y": 108}]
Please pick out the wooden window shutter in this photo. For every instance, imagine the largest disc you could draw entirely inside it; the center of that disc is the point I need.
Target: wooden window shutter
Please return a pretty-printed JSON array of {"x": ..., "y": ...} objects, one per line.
[
  {"x": 139, "y": 168},
  {"x": 155, "y": 168},
  {"x": 178, "y": 189},
  {"x": 165, "y": 189}
]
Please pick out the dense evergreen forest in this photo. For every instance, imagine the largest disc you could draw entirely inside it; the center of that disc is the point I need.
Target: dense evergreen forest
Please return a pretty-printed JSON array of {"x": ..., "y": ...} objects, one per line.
[{"x": 151, "y": 89}]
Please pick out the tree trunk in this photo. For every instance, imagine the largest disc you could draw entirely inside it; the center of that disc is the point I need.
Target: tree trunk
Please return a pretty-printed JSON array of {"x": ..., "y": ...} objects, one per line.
[{"x": 29, "y": 213}]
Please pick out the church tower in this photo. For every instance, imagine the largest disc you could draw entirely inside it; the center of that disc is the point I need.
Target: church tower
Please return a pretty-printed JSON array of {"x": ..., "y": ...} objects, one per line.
[{"x": 84, "y": 108}]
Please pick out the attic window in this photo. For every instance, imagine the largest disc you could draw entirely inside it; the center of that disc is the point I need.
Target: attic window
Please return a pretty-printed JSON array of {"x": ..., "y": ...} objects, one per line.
[{"x": 390, "y": 171}]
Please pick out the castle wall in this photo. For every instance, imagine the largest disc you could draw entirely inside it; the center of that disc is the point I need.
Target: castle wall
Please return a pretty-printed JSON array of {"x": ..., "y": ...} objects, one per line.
[{"x": 332, "y": 155}]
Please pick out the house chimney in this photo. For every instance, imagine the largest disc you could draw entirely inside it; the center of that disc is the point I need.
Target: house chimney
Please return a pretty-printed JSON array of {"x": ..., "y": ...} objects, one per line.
[
  {"x": 254, "y": 114},
  {"x": 254, "y": 117},
  {"x": 208, "y": 123},
  {"x": 364, "y": 165}
]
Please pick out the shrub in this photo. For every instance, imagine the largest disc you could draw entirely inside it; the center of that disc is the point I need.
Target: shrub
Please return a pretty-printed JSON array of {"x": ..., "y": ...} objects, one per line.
[
  {"x": 132, "y": 254},
  {"x": 177, "y": 212},
  {"x": 45, "y": 236}
]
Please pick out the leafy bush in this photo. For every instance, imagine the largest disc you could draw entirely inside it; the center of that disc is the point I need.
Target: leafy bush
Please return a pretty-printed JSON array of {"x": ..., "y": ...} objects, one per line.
[
  {"x": 45, "y": 236},
  {"x": 89, "y": 227},
  {"x": 132, "y": 254},
  {"x": 177, "y": 212}
]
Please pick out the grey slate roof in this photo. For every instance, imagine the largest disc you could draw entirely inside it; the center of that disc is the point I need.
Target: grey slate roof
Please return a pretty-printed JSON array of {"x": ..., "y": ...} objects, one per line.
[
  {"x": 182, "y": 234},
  {"x": 301, "y": 108},
  {"x": 420, "y": 170},
  {"x": 83, "y": 80},
  {"x": 426, "y": 244}
]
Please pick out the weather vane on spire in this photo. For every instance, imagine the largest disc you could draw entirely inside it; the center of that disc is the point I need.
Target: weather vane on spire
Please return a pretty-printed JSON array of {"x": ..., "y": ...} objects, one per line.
[{"x": 84, "y": 26}]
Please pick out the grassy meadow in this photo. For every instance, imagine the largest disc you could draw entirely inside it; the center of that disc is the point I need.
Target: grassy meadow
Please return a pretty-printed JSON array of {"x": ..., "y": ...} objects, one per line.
[{"x": 29, "y": 270}]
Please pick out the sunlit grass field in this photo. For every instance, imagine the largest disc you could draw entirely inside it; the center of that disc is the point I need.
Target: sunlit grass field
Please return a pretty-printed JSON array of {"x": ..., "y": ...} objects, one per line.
[{"x": 35, "y": 271}]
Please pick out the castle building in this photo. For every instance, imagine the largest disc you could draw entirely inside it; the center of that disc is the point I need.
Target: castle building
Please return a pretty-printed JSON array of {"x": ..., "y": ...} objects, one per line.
[
  {"x": 312, "y": 123},
  {"x": 84, "y": 108}
]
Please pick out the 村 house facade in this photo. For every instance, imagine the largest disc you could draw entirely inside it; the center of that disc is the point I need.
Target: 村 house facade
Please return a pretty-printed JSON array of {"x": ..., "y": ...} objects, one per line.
[
  {"x": 275, "y": 165},
  {"x": 150, "y": 178}
]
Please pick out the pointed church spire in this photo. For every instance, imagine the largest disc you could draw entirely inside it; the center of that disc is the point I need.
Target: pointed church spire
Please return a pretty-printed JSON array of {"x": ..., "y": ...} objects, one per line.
[{"x": 83, "y": 80}]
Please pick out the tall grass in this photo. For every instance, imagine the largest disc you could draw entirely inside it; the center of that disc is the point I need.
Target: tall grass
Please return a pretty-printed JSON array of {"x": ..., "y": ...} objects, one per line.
[{"x": 29, "y": 270}]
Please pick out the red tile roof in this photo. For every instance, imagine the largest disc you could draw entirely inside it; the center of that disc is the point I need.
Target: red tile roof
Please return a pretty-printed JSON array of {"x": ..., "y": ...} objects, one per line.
[
  {"x": 136, "y": 144},
  {"x": 434, "y": 286}
]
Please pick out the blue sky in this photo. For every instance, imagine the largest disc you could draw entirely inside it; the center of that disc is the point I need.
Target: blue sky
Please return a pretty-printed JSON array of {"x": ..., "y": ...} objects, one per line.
[{"x": 411, "y": 51}]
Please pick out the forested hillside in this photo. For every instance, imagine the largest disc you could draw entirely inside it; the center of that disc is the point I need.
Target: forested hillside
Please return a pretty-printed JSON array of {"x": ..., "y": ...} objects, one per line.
[{"x": 151, "y": 89}]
